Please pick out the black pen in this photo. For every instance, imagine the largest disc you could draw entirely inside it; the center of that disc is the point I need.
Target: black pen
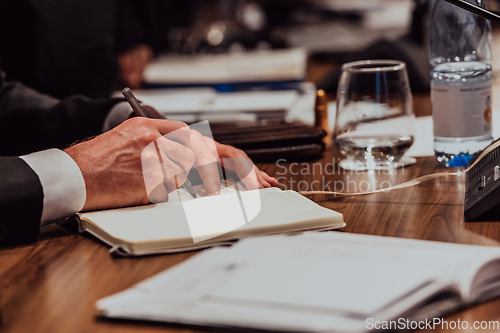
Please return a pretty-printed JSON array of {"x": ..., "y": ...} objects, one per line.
[
  {"x": 476, "y": 10},
  {"x": 139, "y": 110}
]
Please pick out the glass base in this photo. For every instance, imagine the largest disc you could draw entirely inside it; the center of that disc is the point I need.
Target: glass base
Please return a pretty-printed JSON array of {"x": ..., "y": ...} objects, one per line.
[{"x": 359, "y": 166}]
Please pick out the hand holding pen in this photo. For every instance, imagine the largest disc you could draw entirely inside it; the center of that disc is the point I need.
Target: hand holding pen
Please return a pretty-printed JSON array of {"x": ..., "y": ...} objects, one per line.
[
  {"x": 209, "y": 156},
  {"x": 152, "y": 113}
]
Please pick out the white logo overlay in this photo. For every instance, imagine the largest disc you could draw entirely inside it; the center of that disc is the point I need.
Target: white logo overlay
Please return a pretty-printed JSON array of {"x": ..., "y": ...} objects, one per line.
[{"x": 165, "y": 169}]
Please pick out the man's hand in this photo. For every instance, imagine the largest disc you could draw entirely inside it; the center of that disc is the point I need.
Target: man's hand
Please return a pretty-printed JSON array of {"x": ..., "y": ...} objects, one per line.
[
  {"x": 209, "y": 154},
  {"x": 111, "y": 163},
  {"x": 231, "y": 159},
  {"x": 142, "y": 160}
]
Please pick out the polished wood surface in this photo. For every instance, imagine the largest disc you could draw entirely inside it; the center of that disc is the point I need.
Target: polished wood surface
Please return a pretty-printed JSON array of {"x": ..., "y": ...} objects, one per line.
[{"x": 52, "y": 286}]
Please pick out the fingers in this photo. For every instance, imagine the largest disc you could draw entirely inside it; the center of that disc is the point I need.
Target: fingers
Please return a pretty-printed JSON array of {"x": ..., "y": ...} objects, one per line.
[
  {"x": 177, "y": 160},
  {"x": 181, "y": 133},
  {"x": 268, "y": 179},
  {"x": 173, "y": 174},
  {"x": 206, "y": 161},
  {"x": 209, "y": 174},
  {"x": 158, "y": 194},
  {"x": 250, "y": 179},
  {"x": 122, "y": 167},
  {"x": 236, "y": 160},
  {"x": 245, "y": 171},
  {"x": 166, "y": 159},
  {"x": 153, "y": 174},
  {"x": 165, "y": 163},
  {"x": 262, "y": 182},
  {"x": 203, "y": 148},
  {"x": 176, "y": 154},
  {"x": 181, "y": 148},
  {"x": 151, "y": 129}
]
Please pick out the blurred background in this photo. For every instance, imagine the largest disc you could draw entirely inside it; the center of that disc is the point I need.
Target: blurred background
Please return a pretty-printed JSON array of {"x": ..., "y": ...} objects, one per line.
[
  {"x": 94, "y": 47},
  {"x": 259, "y": 61}
]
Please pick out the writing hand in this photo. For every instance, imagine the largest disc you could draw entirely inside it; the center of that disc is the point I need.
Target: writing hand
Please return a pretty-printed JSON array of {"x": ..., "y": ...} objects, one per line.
[
  {"x": 238, "y": 161},
  {"x": 119, "y": 168},
  {"x": 209, "y": 154}
]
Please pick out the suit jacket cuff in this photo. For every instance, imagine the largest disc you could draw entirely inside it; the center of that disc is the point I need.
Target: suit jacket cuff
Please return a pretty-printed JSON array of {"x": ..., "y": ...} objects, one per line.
[
  {"x": 118, "y": 114},
  {"x": 62, "y": 181}
]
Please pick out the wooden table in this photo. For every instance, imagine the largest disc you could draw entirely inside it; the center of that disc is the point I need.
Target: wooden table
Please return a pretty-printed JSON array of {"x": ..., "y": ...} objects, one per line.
[{"x": 52, "y": 286}]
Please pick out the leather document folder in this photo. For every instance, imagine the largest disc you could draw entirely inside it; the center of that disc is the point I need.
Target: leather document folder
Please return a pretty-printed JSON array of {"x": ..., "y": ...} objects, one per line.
[{"x": 274, "y": 141}]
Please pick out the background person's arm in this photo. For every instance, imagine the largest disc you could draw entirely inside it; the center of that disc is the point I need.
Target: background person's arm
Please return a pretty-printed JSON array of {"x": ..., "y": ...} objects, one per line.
[{"x": 31, "y": 121}]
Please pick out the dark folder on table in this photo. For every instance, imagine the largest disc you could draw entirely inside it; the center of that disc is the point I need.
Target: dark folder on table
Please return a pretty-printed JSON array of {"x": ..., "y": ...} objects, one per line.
[{"x": 270, "y": 142}]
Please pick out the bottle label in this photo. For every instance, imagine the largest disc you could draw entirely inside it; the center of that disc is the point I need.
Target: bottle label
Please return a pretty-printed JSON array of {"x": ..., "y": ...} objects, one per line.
[{"x": 461, "y": 111}]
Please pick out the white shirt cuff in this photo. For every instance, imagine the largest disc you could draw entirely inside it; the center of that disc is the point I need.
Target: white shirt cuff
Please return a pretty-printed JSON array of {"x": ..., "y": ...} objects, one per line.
[
  {"x": 118, "y": 114},
  {"x": 62, "y": 182}
]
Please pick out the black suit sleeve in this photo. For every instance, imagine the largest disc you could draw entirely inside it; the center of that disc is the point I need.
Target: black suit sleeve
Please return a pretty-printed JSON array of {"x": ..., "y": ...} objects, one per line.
[
  {"x": 30, "y": 121},
  {"x": 21, "y": 202}
]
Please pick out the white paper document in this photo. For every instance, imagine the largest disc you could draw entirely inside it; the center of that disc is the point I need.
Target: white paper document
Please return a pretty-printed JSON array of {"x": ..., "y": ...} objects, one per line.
[
  {"x": 269, "y": 65},
  {"x": 194, "y": 104},
  {"x": 314, "y": 282},
  {"x": 181, "y": 101}
]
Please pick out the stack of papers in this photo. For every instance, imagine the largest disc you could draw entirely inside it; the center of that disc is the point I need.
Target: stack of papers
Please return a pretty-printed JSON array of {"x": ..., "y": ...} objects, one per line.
[
  {"x": 263, "y": 66},
  {"x": 194, "y": 104},
  {"x": 315, "y": 282}
]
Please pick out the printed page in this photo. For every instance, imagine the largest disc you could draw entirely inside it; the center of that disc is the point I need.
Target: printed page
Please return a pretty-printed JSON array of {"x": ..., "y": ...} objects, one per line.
[
  {"x": 269, "y": 65},
  {"x": 168, "y": 101},
  {"x": 458, "y": 264},
  {"x": 176, "y": 296},
  {"x": 326, "y": 272},
  {"x": 254, "y": 101},
  {"x": 206, "y": 100},
  {"x": 310, "y": 282}
]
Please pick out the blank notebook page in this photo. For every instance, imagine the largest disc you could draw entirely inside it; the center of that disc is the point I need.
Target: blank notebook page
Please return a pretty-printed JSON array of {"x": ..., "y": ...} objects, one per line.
[{"x": 169, "y": 220}]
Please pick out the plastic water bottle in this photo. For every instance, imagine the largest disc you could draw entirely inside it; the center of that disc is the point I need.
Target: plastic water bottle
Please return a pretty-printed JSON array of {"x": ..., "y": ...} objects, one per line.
[{"x": 460, "y": 54}]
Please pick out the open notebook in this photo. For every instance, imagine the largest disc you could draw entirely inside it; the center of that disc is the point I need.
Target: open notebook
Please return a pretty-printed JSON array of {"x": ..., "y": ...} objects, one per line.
[
  {"x": 314, "y": 282},
  {"x": 185, "y": 223}
]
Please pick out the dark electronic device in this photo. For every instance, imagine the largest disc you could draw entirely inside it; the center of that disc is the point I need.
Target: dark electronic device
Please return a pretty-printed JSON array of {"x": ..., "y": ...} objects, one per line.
[{"x": 482, "y": 191}]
